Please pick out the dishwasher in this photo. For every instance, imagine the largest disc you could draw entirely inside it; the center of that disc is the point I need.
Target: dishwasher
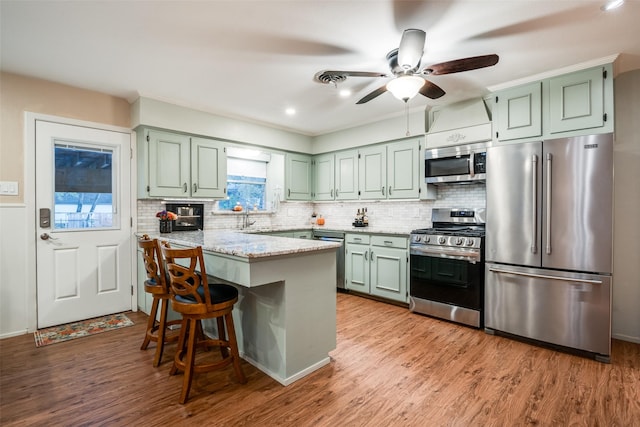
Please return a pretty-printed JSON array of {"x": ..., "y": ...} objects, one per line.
[{"x": 334, "y": 236}]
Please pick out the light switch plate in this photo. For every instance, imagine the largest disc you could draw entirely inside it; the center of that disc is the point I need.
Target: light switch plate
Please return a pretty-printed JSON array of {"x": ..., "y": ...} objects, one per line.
[{"x": 8, "y": 188}]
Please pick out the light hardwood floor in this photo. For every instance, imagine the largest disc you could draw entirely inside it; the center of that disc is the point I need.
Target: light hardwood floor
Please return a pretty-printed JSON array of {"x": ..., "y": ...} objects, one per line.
[{"x": 390, "y": 368}]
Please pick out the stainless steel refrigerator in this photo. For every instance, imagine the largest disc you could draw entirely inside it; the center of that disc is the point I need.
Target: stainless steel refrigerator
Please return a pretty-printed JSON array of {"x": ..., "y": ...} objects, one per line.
[{"x": 549, "y": 241}]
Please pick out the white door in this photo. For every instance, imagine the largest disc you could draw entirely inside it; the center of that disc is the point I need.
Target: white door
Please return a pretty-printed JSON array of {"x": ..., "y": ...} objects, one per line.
[{"x": 83, "y": 222}]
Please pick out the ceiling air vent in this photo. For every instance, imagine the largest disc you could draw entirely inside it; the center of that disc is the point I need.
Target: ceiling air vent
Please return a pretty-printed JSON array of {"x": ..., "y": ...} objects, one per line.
[{"x": 328, "y": 77}]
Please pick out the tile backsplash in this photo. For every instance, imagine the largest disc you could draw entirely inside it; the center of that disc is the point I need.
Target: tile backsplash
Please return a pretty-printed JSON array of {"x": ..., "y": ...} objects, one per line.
[{"x": 402, "y": 214}]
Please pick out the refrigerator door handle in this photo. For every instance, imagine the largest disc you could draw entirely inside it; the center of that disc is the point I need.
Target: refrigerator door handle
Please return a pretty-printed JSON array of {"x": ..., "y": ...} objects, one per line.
[
  {"x": 534, "y": 197},
  {"x": 548, "y": 231},
  {"x": 544, "y": 276}
]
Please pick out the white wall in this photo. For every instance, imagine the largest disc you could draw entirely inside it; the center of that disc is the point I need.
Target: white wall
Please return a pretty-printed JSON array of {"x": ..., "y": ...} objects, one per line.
[
  {"x": 380, "y": 131},
  {"x": 150, "y": 112},
  {"x": 626, "y": 233}
]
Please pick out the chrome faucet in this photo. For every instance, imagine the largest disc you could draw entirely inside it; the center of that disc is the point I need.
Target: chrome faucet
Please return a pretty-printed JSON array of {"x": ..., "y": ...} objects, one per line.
[{"x": 245, "y": 219}]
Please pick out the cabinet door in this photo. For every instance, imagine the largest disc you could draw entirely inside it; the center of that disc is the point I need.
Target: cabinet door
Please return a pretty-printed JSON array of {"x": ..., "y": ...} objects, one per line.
[
  {"x": 346, "y": 163},
  {"x": 298, "y": 177},
  {"x": 519, "y": 112},
  {"x": 324, "y": 188},
  {"x": 389, "y": 273},
  {"x": 576, "y": 101},
  {"x": 208, "y": 168},
  {"x": 403, "y": 170},
  {"x": 372, "y": 171},
  {"x": 357, "y": 267},
  {"x": 169, "y": 164}
]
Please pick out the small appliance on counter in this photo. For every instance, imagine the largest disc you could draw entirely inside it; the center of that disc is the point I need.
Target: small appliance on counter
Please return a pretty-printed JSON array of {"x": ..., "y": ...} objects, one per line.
[
  {"x": 190, "y": 216},
  {"x": 361, "y": 219}
]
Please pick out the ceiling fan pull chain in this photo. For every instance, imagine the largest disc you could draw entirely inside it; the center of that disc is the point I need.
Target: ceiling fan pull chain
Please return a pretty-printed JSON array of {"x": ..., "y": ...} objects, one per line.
[{"x": 406, "y": 112}]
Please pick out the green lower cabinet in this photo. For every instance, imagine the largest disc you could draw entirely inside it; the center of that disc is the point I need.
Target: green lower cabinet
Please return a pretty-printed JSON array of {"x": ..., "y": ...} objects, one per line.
[
  {"x": 389, "y": 273},
  {"x": 377, "y": 265},
  {"x": 357, "y": 267}
]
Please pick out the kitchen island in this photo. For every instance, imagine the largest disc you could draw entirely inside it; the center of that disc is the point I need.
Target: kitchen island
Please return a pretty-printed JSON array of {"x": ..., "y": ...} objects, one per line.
[{"x": 285, "y": 317}]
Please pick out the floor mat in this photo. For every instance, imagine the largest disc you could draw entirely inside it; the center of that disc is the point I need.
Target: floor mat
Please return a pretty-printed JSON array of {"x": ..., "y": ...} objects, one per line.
[{"x": 85, "y": 328}]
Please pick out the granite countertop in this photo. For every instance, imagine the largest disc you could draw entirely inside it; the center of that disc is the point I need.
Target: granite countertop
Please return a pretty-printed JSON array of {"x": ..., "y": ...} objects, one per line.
[
  {"x": 244, "y": 245},
  {"x": 401, "y": 231}
]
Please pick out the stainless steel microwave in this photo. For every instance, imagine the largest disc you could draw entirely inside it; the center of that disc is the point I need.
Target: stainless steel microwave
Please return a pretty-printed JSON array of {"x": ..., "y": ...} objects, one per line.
[{"x": 461, "y": 163}]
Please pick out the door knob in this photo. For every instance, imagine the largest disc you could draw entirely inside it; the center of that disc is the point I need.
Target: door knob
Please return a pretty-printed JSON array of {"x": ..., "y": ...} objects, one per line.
[{"x": 46, "y": 236}]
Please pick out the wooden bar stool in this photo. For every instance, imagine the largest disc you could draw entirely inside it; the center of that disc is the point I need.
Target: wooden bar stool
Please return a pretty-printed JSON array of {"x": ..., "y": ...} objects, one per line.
[
  {"x": 196, "y": 299},
  {"x": 157, "y": 285}
]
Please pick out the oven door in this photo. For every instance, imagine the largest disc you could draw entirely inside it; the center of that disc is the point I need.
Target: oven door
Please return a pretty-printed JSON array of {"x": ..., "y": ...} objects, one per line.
[{"x": 449, "y": 281}]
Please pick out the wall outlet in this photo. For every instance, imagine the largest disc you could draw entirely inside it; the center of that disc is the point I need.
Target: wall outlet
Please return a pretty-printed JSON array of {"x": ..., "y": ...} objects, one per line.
[{"x": 8, "y": 188}]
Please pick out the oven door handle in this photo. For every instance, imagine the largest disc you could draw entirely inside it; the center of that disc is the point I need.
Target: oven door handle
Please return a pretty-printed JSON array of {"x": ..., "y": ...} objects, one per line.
[{"x": 468, "y": 256}]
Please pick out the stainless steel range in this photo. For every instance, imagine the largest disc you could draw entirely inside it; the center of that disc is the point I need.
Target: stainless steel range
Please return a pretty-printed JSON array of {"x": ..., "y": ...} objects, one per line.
[{"x": 447, "y": 267}]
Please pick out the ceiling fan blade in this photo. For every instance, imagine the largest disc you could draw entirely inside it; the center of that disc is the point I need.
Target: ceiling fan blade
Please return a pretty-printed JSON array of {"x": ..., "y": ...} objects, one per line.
[
  {"x": 459, "y": 65},
  {"x": 411, "y": 48},
  {"x": 374, "y": 94},
  {"x": 431, "y": 90}
]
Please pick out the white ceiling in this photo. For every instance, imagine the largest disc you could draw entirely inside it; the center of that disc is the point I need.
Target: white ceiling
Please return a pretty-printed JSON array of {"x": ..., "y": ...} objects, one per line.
[{"x": 253, "y": 59}]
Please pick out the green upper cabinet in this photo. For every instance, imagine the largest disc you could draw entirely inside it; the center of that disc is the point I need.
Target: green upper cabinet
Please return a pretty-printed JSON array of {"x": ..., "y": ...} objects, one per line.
[
  {"x": 519, "y": 112},
  {"x": 208, "y": 180},
  {"x": 390, "y": 171},
  {"x": 298, "y": 177},
  {"x": 576, "y": 101},
  {"x": 346, "y": 175},
  {"x": 324, "y": 175},
  {"x": 373, "y": 172},
  {"x": 175, "y": 165},
  {"x": 403, "y": 170}
]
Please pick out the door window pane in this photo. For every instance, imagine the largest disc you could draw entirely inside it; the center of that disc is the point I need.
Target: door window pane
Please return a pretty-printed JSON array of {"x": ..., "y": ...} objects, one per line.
[{"x": 84, "y": 187}]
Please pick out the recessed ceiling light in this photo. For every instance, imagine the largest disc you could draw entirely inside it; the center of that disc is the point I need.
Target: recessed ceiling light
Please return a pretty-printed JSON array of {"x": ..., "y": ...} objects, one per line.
[
  {"x": 345, "y": 93},
  {"x": 612, "y": 4},
  {"x": 290, "y": 111}
]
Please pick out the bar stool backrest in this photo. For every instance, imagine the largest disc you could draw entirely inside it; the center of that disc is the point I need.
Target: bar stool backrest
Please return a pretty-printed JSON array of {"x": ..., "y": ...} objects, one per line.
[
  {"x": 153, "y": 264},
  {"x": 188, "y": 276}
]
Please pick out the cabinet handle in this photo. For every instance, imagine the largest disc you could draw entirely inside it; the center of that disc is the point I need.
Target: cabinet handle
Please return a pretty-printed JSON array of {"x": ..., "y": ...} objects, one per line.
[
  {"x": 288, "y": 192},
  {"x": 357, "y": 239},
  {"x": 332, "y": 193},
  {"x": 195, "y": 187},
  {"x": 388, "y": 242},
  {"x": 365, "y": 255},
  {"x": 337, "y": 192},
  {"x": 389, "y": 190},
  {"x": 383, "y": 191},
  {"x": 184, "y": 187},
  {"x": 371, "y": 258}
]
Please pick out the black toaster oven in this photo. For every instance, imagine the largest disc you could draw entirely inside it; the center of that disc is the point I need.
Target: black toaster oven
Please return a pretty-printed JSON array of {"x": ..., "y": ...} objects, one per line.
[{"x": 190, "y": 216}]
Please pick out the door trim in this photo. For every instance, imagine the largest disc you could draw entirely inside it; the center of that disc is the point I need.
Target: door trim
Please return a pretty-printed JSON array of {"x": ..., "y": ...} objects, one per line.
[{"x": 30, "y": 203}]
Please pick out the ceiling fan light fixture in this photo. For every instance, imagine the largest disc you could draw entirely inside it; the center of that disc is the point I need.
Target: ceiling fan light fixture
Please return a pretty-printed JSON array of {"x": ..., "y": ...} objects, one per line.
[{"x": 405, "y": 87}]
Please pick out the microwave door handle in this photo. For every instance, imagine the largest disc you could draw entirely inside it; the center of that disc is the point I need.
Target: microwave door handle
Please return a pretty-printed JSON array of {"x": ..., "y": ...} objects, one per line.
[
  {"x": 472, "y": 162},
  {"x": 534, "y": 200}
]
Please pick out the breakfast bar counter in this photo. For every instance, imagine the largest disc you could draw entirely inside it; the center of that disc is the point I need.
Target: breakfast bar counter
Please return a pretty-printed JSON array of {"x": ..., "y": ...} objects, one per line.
[{"x": 285, "y": 316}]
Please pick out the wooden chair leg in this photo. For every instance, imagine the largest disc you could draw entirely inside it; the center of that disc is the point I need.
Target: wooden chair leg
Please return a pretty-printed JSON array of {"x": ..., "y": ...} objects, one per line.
[
  {"x": 181, "y": 346},
  {"x": 224, "y": 351},
  {"x": 162, "y": 330},
  {"x": 233, "y": 344},
  {"x": 151, "y": 323},
  {"x": 189, "y": 361}
]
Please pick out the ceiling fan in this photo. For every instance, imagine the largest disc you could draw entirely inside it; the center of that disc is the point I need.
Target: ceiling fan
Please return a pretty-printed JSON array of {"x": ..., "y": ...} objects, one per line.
[{"x": 404, "y": 63}]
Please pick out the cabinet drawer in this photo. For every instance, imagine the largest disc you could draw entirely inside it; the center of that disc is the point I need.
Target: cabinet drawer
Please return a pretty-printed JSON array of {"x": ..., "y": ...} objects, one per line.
[
  {"x": 389, "y": 241},
  {"x": 357, "y": 238}
]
